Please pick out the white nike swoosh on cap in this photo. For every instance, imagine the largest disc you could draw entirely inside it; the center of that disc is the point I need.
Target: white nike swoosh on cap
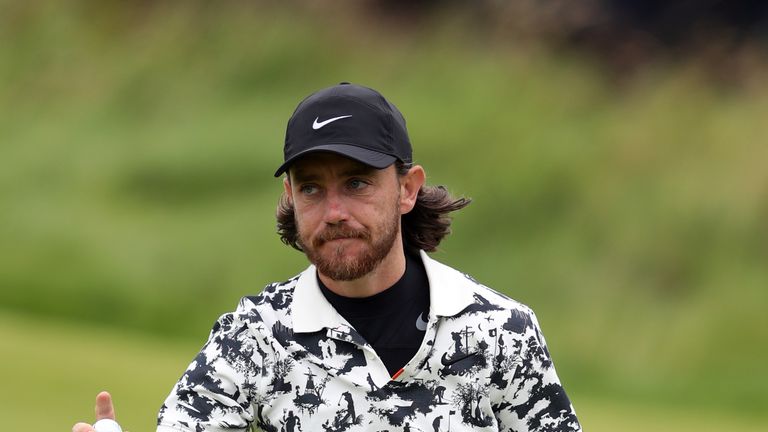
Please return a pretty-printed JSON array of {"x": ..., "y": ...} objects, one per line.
[{"x": 316, "y": 125}]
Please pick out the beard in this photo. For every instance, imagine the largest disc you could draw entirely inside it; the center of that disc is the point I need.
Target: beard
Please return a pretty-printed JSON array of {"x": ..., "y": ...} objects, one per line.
[{"x": 342, "y": 264}]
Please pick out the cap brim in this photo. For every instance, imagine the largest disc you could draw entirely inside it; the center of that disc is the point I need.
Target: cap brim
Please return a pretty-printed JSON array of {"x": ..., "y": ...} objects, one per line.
[{"x": 362, "y": 155}]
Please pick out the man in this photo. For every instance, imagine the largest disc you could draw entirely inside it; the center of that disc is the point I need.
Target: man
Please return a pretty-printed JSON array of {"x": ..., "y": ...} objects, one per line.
[{"x": 404, "y": 340}]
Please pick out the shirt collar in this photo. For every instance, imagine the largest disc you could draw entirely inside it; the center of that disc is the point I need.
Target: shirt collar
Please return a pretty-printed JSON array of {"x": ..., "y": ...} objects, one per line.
[{"x": 450, "y": 292}]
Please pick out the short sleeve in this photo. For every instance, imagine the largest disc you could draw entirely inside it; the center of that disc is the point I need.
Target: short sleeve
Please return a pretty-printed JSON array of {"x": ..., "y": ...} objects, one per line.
[
  {"x": 528, "y": 395},
  {"x": 217, "y": 389}
]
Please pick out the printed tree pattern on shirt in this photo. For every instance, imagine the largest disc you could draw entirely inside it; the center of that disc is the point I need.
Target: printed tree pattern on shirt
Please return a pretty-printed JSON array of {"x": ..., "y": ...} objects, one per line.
[{"x": 484, "y": 369}]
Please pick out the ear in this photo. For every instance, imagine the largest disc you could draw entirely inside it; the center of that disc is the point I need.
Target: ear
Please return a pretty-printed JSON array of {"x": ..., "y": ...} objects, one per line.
[
  {"x": 410, "y": 184},
  {"x": 287, "y": 187}
]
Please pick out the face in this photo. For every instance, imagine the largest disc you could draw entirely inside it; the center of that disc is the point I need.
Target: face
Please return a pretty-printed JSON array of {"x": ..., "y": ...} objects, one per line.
[{"x": 347, "y": 213}]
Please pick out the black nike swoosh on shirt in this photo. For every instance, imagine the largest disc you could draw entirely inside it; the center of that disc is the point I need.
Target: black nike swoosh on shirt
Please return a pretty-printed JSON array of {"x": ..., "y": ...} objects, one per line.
[{"x": 447, "y": 362}]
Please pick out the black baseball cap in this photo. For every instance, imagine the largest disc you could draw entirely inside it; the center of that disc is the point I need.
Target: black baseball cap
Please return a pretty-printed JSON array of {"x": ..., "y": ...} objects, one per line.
[{"x": 349, "y": 120}]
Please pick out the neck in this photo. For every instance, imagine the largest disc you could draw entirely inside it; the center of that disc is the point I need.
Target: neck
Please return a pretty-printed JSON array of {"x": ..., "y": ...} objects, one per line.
[{"x": 389, "y": 271}]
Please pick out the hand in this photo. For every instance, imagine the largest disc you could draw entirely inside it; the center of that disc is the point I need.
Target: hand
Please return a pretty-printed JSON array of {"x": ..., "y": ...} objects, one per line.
[{"x": 104, "y": 410}]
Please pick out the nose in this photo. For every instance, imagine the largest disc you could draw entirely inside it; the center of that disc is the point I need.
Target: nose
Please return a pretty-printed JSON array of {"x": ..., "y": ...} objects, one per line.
[{"x": 335, "y": 209}]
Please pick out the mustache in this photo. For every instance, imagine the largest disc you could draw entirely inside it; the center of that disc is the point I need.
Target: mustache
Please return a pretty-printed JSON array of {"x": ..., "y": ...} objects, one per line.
[{"x": 335, "y": 233}]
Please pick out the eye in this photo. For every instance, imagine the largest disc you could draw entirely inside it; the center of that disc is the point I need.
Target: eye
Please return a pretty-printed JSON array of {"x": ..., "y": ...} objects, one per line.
[
  {"x": 357, "y": 184},
  {"x": 308, "y": 189}
]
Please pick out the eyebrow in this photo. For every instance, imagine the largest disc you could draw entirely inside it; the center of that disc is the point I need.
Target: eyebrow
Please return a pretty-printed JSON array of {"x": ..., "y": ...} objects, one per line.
[
  {"x": 359, "y": 169},
  {"x": 300, "y": 176}
]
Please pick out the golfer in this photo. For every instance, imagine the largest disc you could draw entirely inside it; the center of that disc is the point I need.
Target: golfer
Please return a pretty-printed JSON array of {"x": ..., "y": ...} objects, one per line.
[{"x": 374, "y": 335}]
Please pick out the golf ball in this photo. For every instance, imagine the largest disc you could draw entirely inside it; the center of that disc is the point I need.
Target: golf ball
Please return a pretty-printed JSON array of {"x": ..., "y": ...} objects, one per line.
[{"x": 107, "y": 425}]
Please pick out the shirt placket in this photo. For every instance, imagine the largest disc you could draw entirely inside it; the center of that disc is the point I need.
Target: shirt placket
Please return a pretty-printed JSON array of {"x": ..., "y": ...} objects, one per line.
[
  {"x": 413, "y": 367},
  {"x": 374, "y": 365}
]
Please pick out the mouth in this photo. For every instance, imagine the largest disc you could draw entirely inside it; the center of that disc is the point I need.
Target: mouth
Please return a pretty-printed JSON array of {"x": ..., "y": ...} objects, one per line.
[{"x": 340, "y": 239}]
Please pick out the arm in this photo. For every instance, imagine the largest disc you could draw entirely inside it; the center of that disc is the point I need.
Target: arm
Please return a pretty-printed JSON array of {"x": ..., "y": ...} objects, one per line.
[
  {"x": 533, "y": 399},
  {"x": 217, "y": 389}
]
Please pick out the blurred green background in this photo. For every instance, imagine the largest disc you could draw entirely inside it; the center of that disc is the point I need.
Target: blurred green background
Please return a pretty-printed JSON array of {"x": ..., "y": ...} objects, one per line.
[{"x": 624, "y": 201}]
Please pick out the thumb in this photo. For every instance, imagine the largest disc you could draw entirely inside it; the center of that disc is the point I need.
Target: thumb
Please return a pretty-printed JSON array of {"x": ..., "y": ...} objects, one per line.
[{"x": 104, "y": 407}]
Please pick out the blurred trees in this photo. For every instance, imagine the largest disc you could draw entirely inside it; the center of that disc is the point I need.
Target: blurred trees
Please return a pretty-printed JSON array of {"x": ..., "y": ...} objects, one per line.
[{"x": 138, "y": 139}]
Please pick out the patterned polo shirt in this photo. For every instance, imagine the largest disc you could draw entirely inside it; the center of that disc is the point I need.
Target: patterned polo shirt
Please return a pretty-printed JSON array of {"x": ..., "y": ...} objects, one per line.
[{"x": 286, "y": 361}]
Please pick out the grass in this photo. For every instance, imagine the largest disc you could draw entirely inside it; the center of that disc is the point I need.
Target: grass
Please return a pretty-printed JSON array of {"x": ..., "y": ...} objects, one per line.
[{"x": 52, "y": 373}]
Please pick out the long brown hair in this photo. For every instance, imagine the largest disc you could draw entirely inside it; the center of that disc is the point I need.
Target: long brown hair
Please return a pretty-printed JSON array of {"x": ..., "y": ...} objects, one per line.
[{"x": 423, "y": 227}]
